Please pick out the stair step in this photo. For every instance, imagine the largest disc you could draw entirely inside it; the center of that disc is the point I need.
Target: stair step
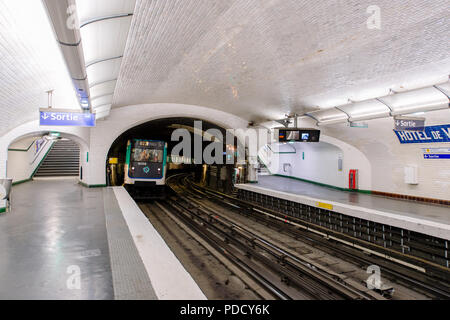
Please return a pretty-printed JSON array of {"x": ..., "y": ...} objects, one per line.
[
  {"x": 56, "y": 171},
  {"x": 59, "y": 162},
  {"x": 62, "y": 156},
  {"x": 62, "y": 161},
  {"x": 59, "y": 167},
  {"x": 65, "y": 149},
  {"x": 57, "y": 175}
]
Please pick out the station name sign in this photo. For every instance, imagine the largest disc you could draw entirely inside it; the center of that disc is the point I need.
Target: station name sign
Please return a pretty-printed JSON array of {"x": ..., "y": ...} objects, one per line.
[
  {"x": 431, "y": 134},
  {"x": 48, "y": 117},
  {"x": 436, "y": 153}
]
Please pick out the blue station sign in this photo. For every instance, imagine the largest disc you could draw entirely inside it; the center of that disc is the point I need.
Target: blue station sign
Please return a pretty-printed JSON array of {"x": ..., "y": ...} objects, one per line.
[
  {"x": 436, "y": 153},
  {"x": 437, "y": 156},
  {"x": 74, "y": 119},
  {"x": 431, "y": 134}
]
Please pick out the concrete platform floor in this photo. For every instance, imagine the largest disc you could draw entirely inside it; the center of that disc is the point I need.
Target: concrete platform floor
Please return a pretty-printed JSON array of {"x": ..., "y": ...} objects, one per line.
[
  {"x": 412, "y": 209},
  {"x": 56, "y": 228},
  {"x": 64, "y": 241}
]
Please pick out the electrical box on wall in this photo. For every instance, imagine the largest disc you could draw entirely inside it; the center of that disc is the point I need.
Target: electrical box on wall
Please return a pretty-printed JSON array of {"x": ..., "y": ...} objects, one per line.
[{"x": 411, "y": 175}]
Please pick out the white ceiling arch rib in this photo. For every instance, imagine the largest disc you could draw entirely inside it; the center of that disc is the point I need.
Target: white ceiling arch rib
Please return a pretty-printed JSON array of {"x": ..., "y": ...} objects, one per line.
[
  {"x": 398, "y": 103},
  {"x": 96, "y": 84},
  {"x": 89, "y": 10},
  {"x": 103, "y": 71},
  {"x": 103, "y": 100},
  {"x": 124, "y": 15},
  {"x": 102, "y": 95},
  {"x": 103, "y": 60},
  {"x": 104, "y": 26},
  {"x": 105, "y": 39}
]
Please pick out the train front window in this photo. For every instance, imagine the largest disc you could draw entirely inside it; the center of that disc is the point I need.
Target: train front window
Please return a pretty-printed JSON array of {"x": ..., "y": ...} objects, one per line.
[{"x": 147, "y": 155}]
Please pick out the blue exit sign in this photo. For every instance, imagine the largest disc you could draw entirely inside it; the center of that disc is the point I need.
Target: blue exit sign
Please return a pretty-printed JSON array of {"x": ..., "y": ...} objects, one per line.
[{"x": 74, "y": 119}]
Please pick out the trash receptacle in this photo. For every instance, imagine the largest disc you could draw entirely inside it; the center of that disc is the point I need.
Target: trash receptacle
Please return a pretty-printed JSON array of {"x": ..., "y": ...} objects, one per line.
[{"x": 5, "y": 191}]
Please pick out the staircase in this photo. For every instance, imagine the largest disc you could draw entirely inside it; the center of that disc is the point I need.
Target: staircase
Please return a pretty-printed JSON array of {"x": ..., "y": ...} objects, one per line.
[
  {"x": 62, "y": 160},
  {"x": 262, "y": 170}
]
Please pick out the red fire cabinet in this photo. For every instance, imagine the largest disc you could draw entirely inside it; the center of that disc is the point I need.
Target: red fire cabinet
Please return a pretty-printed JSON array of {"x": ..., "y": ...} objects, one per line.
[{"x": 353, "y": 179}]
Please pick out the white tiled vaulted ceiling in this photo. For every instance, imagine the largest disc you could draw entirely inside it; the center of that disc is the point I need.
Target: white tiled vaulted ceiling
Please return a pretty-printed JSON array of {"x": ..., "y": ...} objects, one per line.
[
  {"x": 256, "y": 59},
  {"x": 30, "y": 64},
  {"x": 261, "y": 59},
  {"x": 104, "y": 26}
]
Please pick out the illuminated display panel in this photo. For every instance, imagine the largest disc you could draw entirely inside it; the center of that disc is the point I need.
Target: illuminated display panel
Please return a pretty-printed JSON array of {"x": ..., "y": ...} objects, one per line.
[{"x": 300, "y": 135}]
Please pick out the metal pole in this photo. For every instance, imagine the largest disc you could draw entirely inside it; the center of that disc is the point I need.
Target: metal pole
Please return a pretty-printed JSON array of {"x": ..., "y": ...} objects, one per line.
[
  {"x": 50, "y": 98},
  {"x": 446, "y": 253},
  {"x": 401, "y": 243}
]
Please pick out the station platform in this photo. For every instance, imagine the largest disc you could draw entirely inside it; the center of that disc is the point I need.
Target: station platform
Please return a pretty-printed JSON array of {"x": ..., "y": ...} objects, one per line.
[
  {"x": 429, "y": 219},
  {"x": 64, "y": 241}
]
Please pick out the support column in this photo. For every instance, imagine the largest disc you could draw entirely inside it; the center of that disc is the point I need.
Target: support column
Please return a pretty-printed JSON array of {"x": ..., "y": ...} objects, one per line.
[{"x": 252, "y": 170}]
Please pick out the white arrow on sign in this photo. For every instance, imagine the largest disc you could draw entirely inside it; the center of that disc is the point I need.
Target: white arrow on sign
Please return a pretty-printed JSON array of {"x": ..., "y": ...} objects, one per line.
[{"x": 45, "y": 116}]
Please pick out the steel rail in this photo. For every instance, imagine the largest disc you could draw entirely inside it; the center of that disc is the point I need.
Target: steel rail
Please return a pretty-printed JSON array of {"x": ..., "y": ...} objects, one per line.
[
  {"x": 408, "y": 276},
  {"x": 319, "y": 283}
]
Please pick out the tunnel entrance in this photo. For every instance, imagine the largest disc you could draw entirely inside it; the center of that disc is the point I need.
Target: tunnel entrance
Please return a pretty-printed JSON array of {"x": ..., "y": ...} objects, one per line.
[{"x": 128, "y": 154}]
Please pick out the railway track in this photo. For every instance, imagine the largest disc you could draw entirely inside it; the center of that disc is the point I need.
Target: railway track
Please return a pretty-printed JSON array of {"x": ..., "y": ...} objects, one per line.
[
  {"x": 284, "y": 274},
  {"x": 423, "y": 282}
]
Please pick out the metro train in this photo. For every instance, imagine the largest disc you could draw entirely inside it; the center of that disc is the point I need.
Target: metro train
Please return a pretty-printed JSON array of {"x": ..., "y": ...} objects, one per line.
[{"x": 145, "y": 169}]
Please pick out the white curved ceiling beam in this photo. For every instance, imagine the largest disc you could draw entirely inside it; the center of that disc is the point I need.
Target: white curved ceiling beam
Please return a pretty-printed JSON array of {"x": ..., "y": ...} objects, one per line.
[
  {"x": 106, "y": 99},
  {"x": 100, "y": 19},
  {"x": 94, "y": 85},
  {"x": 105, "y": 39},
  {"x": 103, "y": 60},
  {"x": 91, "y": 9}
]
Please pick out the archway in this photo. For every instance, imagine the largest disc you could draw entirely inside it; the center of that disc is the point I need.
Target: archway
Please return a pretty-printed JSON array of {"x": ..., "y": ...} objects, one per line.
[
  {"x": 44, "y": 155},
  {"x": 327, "y": 162},
  {"x": 122, "y": 119},
  {"x": 77, "y": 134},
  {"x": 193, "y": 130}
]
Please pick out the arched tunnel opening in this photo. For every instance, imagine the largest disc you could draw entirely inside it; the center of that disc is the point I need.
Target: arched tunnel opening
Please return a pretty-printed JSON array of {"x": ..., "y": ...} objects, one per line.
[{"x": 129, "y": 153}]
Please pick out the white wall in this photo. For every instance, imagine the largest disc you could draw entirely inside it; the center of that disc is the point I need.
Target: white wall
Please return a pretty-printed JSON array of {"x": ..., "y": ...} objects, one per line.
[
  {"x": 320, "y": 163},
  {"x": 21, "y": 164},
  {"x": 381, "y": 158},
  {"x": 388, "y": 156}
]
